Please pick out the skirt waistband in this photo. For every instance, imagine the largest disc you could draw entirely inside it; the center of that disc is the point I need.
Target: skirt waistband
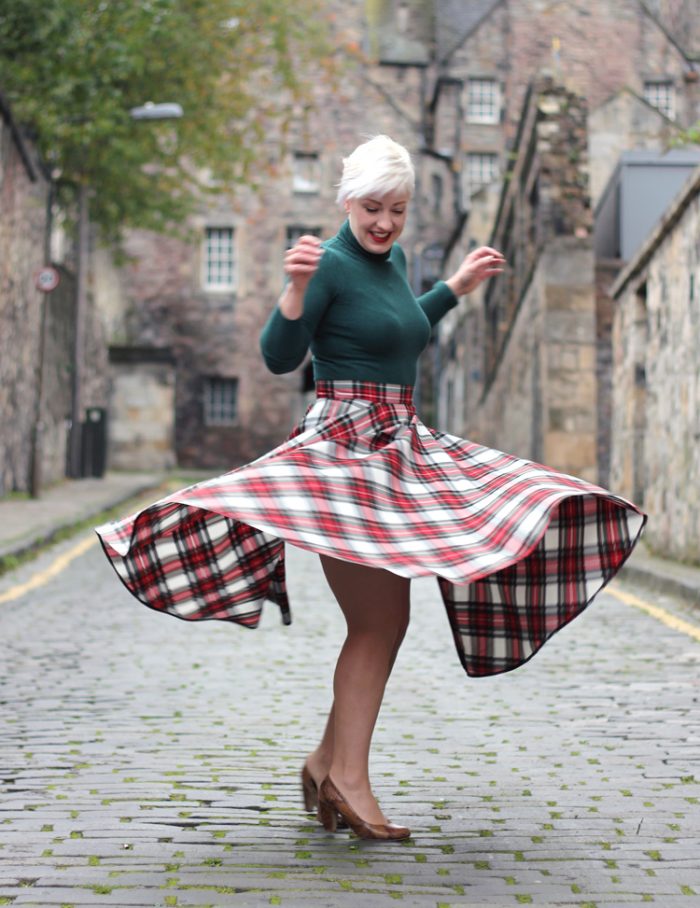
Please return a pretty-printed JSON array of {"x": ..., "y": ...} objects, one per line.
[{"x": 377, "y": 392}]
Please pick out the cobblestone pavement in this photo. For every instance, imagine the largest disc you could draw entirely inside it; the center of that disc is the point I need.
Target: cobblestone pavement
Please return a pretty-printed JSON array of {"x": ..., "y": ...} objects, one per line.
[{"x": 149, "y": 762}]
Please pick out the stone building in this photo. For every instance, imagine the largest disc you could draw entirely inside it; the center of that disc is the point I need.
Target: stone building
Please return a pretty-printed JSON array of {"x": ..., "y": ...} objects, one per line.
[
  {"x": 37, "y": 329},
  {"x": 446, "y": 78},
  {"x": 199, "y": 308},
  {"x": 634, "y": 64},
  {"x": 23, "y": 201},
  {"x": 655, "y": 456},
  {"x": 537, "y": 395}
]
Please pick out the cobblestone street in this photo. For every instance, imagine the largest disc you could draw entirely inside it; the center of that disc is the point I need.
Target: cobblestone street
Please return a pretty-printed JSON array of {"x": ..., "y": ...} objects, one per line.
[{"x": 149, "y": 762}]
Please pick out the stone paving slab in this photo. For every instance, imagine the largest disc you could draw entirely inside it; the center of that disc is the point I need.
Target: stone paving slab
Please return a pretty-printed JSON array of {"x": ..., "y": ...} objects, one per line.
[
  {"x": 146, "y": 761},
  {"x": 25, "y": 523}
]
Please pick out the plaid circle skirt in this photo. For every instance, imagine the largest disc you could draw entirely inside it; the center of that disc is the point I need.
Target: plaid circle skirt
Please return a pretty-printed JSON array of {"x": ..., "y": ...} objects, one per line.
[{"x": 518, "y": 549}]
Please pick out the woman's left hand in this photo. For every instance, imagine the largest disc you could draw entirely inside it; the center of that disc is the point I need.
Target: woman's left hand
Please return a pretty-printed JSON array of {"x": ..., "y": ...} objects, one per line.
[{"x": 480, "y": 264}]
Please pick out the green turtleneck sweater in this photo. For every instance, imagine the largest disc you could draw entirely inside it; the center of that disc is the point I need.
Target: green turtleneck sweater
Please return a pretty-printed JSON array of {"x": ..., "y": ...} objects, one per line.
[{"x": 361, "y": 319}]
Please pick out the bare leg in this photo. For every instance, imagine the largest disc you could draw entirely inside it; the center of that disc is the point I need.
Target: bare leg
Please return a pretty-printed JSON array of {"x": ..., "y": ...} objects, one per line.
[
  {"x": 319, "y": 761},
  {"x": 375, "y": 604}
]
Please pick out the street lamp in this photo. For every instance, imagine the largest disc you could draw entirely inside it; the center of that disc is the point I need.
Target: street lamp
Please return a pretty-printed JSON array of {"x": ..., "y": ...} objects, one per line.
[
  {"x": 151, "y": 111},
  {"x": 148, "y": 111}
]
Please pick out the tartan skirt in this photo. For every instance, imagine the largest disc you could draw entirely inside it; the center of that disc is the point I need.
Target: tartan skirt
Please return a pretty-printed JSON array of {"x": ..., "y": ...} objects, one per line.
[{"x": 518, "y": 549}]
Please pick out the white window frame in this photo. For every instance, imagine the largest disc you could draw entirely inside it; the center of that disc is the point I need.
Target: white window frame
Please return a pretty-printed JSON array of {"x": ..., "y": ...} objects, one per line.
[
  {"x": 306, "y": 172},
  {"x": 483, "y": 100},
  {"x": 490, "y": 175},
  {"x": 219, "y": 258},
  {"x": 661, "y": 94},
  {"x": 217, "y": 409}
]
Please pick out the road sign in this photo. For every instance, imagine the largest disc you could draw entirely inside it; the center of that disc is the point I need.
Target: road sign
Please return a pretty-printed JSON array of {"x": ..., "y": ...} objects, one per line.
[{"x": 46, "y": 279}]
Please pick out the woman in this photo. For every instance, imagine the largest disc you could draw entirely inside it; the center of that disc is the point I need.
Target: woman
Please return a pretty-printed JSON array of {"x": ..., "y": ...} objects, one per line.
[{"x": 518, "y": 549}]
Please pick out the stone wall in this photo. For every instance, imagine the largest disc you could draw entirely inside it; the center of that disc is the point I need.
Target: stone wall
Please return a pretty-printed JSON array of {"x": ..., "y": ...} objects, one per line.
[
  {"x": 407, "y": 87},
  {"x": 158, "y": 299},
  {"x": 541, "y": 402},
  {"x": 537, "y": 394},
  {"x": 23, "y": 197},
  {"x": 36, "y": 329},
  {"x": 656, "y": 380},
  {"x": 58, "y": 358},
  {"x": 141, "y": 409}
]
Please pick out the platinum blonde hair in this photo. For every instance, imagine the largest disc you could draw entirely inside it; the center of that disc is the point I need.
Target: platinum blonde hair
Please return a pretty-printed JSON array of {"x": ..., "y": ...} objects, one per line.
[{"x": 376, "y": 168}]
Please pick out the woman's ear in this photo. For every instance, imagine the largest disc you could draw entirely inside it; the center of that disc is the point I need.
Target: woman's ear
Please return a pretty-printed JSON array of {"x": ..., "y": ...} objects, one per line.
[{"x": 346, "y": 206}]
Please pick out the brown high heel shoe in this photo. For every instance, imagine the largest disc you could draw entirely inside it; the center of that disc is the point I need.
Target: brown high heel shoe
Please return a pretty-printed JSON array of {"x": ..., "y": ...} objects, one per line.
[
  {"x": 332, "y": 804},
  {"x": 309, "y": 792}
]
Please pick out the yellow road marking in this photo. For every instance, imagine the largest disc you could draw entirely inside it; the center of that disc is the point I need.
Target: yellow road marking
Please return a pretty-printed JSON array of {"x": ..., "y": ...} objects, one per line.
[
  {"x": 51, "y": 571},
  {"x": 670, "y": 620}
]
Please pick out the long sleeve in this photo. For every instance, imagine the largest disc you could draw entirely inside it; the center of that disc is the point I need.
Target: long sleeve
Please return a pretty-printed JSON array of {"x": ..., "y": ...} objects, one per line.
[
  {"x": 437, "y": 302},
  {"x": 284, "y": 342}
]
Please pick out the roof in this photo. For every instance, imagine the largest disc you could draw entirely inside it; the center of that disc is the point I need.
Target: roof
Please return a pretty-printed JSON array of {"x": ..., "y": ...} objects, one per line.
[
  {"x": 671, "y": 217},
  {"x": 679, "y": 22},
  {"x": 455, "y": 20}
]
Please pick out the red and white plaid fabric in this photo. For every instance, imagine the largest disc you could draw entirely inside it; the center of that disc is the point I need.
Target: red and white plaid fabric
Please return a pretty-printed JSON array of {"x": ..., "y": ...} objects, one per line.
[{"x": 518, "y": 549}]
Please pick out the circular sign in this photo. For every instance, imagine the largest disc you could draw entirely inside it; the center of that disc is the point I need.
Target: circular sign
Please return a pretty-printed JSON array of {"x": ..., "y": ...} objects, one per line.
[{"x": 46, "y": 279}]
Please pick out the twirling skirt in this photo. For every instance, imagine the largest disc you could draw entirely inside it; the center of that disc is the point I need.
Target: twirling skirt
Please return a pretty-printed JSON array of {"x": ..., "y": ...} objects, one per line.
[{"x": 518, "y": 549}]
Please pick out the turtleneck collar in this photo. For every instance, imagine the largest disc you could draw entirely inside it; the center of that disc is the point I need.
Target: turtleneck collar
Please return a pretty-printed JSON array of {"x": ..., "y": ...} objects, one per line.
[{"x": 349, "y": 239}]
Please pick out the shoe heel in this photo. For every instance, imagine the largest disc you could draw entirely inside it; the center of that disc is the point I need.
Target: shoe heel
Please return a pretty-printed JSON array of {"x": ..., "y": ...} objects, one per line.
[
  {"x": 327, "y": 816},
  {"x": 310, "y": 801},
  {"x": 309, "y": 791}
]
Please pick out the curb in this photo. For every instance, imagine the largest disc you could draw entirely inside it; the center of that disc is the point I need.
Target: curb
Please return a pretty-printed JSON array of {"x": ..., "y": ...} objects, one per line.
[
  {"x": 46, "y": 538},
  {"x": 663, "y": 583}
]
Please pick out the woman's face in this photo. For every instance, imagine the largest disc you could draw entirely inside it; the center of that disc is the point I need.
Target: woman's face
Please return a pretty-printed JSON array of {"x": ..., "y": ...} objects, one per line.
[{"x": 378, "y": 222}]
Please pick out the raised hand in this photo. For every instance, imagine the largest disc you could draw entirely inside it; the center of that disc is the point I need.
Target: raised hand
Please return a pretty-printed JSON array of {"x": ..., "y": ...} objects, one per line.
[
  {"x": 479, "y": 265},
  {"x": 300, "y": 264},
  {"x": 301, "y": 261}
]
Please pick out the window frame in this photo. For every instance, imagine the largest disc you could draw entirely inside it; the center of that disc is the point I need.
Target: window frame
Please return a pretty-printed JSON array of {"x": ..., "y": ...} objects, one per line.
[
  {"x": 219, "y": 287},
  {"x": 299, "y": 230},
  {"x": 652, "y": 85},
  {"x": 475, "y": 107},
  {"x": 301, "y": 185},
  {"x": 210, "y": 405},
  {"x": 472, "y": 186}
]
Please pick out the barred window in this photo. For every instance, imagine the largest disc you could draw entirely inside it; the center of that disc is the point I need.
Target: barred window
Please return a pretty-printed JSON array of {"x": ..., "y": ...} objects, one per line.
[
  {"x": 483, "y": 101},
  {"x": 306, "y": 172},
  {"x": 661, "y": 94},
  {"x": 482, "y": 168},
  {"x": 220, "y": 401},
  {"x": 219, "y": 260}
]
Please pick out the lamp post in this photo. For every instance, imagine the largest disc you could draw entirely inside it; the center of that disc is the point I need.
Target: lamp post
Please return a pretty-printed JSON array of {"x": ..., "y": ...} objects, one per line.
[{"x": 148, "y": 111}]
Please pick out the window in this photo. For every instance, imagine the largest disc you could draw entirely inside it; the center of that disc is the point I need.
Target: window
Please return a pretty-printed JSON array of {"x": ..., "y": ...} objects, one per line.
[
  {"x": 219, "y": 263},
  {"x": 220, "y": 401},
  {"x": 660, "y": 94},
  {"x": 483, "y": 102},
  {"x": 296, "y": 231},
  {"x": 482, "y": 169},
  {"x": 306, "y": 172}
]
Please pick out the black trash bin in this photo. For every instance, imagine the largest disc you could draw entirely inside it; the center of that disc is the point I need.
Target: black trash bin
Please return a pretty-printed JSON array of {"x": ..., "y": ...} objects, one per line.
[{"x": 94, "y": 442}]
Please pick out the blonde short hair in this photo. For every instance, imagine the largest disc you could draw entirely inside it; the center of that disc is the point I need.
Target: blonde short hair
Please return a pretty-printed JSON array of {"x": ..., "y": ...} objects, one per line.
[{"x": 376, "y": 168}]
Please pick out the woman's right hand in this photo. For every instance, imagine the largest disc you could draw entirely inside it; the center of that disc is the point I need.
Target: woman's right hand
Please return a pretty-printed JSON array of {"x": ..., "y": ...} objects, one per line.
[
  {"x": 301, "y": 261},
  {"x": 300, "y": 264}
]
